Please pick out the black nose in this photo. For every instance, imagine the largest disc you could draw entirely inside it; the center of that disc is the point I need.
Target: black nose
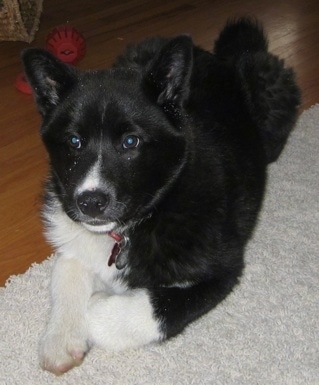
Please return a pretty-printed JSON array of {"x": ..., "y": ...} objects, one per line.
[{"x": 92, "y": 203}]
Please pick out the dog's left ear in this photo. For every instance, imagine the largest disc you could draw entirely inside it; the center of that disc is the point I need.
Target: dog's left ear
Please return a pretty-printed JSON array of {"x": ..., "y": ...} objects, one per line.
[{"x": 168, "y": 78}]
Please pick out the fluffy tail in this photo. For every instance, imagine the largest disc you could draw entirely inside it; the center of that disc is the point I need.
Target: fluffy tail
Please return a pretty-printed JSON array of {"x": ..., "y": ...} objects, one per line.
[
  {"x": 240, "y": 36},
  {"x": 269, "y": 89}
]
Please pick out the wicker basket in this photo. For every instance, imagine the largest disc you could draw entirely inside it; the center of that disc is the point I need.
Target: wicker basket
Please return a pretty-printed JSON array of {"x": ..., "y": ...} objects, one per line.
[{"x": 19, "y": 19}]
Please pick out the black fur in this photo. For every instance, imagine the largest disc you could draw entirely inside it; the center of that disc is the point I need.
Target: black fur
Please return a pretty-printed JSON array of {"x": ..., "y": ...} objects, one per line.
[{"x": 188, "y": 195}]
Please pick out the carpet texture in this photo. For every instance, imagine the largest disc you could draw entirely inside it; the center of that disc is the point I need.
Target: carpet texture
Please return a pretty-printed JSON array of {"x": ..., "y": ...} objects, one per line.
[{"x": 265, "y": 332}]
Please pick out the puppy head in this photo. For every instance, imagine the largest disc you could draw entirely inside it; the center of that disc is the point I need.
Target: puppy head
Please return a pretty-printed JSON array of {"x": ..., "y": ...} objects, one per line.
[{"x": 117, "y": 139}]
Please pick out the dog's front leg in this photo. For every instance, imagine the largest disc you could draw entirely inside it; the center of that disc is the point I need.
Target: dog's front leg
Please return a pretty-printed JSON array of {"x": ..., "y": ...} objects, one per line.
[{"x": 65, "y": 341}]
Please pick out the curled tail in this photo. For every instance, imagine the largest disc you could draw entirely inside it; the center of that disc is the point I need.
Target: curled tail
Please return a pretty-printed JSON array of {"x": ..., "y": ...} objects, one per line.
[
  {"x": 240, "y": 36},
  {"x": 268, "y": 87}
]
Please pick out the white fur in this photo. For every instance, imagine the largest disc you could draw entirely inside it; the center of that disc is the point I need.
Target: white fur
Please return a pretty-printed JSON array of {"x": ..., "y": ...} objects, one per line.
[
  {"x": 92, "y": 180},
  {"x": 66, "y": 339},
  {"x": 90, "y": 302},
  {"x": 122, "y": 321}
]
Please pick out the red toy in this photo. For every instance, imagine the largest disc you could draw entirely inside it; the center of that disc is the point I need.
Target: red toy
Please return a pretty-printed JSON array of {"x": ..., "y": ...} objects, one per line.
[
  {"x": 66, "y": 43},
  {"x": 22, "y": 85}
]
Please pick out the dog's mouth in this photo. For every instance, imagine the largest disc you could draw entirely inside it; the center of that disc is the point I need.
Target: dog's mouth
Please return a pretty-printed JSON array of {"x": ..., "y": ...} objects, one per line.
[
  {"x": 97, "y": 226},
  {"x": 99, "y": 216}
]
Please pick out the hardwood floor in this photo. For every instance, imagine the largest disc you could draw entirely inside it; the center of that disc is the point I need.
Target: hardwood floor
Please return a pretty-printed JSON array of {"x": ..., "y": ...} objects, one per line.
[{"x": 108, "y": 26}]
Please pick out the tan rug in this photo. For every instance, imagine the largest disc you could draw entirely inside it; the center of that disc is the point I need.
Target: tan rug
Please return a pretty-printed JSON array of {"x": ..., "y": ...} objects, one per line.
[{"x": 19, "y": 19}]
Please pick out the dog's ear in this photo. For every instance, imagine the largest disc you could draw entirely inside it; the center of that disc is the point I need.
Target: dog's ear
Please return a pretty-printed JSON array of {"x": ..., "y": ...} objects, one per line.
[
  {"x": 168, "y": 78},
  {"x": 49, "y": 78}
]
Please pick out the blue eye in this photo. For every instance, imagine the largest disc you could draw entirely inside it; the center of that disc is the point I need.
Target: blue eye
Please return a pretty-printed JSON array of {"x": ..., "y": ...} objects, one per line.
[
  {"x": 75, "y": 141},
  {"x": 131, "y": 141}
]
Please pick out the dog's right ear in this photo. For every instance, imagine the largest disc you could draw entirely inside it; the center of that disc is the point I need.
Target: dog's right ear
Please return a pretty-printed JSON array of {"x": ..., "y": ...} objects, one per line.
[{"x": 49, "y": 78}]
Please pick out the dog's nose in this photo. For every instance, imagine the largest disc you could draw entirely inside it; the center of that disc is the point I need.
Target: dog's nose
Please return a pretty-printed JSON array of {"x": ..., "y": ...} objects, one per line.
[{"x": 92, "y": 203}]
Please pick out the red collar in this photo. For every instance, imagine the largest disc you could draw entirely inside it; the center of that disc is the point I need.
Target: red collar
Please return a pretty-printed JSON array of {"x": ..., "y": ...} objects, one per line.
[
  {"x": 120, "y": 242},
  {"x": 117, "y": 237}
]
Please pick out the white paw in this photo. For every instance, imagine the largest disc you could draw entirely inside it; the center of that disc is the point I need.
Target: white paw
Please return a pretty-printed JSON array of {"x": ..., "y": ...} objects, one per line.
[
  {"x": 62, "y": 350},
  {"x": 122, "y": 321}
]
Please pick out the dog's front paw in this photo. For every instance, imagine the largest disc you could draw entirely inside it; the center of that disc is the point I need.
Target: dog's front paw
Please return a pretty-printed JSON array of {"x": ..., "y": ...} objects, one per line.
[
  {"x": 122, "y": 321},
  {"x": 62, "y": 351}
]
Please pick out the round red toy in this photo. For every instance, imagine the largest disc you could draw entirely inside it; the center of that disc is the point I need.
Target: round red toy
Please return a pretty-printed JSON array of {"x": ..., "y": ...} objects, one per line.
[{"x": 66, "y": 43}]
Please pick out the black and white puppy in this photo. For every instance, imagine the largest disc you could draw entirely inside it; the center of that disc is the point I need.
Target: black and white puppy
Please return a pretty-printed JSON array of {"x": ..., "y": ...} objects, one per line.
[{"x": 158, "y": 170}]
